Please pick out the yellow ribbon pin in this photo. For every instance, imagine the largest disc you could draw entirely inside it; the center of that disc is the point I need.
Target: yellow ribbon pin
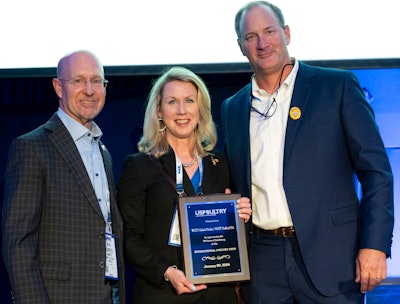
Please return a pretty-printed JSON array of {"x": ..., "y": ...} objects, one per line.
[{"x": 295, "y": 113}]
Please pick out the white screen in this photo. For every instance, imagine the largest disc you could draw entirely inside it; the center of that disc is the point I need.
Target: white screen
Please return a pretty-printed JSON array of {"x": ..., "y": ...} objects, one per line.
[{"x": 152, "y": 32}]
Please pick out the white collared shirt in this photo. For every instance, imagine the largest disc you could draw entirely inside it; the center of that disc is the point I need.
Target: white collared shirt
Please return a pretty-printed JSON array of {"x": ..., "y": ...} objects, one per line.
[{"x": 267, "y": 139}]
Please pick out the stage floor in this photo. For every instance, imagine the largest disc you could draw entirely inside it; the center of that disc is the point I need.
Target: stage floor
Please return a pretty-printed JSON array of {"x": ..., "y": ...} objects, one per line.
[{"x": 386, "y": 293}]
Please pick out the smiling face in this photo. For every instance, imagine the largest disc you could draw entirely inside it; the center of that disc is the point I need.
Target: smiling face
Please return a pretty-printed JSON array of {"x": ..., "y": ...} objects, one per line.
[
  {"x": 179, "y": 110},
  {"x": 263, "y": 40},
  {"x": 82, "y": 103}
]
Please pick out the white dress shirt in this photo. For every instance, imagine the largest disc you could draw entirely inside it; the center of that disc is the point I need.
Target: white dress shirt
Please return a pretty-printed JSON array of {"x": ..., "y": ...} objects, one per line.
[{"x": 267, "y": 139}]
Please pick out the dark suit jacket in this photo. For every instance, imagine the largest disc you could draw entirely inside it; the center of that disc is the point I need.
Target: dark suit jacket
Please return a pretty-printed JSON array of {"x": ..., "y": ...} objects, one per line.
[
  {"x": 53, "y": 229},
  {"x": 335, "y": 137},
  {"x": 147, "y": 202}
]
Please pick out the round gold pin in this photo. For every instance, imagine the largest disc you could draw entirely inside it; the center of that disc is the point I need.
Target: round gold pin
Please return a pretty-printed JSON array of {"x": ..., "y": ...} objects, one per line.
[{"x": 295, "y": 113}]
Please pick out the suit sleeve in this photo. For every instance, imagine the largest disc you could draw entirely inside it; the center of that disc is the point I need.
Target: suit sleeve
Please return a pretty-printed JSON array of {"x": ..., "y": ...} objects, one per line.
[
  {"x": 22, "y": 209},
  {"x": 372, "y": 168}
]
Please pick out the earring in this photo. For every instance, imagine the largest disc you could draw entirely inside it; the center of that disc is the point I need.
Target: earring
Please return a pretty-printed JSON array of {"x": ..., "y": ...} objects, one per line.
[{"x": 162, "y": 129}]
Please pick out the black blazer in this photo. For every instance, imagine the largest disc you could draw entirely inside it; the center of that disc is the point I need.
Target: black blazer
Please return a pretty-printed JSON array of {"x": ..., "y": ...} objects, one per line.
[{"x": 147, "y": 201}]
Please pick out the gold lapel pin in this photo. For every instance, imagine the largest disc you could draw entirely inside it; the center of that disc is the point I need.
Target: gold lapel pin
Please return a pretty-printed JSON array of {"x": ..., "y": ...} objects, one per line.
[
  {"x": 214, "y": 160},
  {"x": 295, "y": 113}
]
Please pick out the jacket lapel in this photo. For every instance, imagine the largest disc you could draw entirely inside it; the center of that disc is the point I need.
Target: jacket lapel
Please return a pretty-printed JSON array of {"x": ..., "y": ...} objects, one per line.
[
  {"x": 300, "y": 97},
  {"x": 65, "y": 146},
  {"x": 237, "y": 116},
  {"x": 107, "y": 160},
  {"x": 169, "y": 164}
]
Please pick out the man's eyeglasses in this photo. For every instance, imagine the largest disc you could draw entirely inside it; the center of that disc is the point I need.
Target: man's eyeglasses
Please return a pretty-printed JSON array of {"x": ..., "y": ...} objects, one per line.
[
  {"x": 274, "y": 105},
  {"x": 81, "y": 82},
  {"x": 270, "y": 111}
]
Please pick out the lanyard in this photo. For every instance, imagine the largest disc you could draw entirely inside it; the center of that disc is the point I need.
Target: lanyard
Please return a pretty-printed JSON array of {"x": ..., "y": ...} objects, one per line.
[
  {"x": 179, "y": 176},
  {"x": 175, "y": 235},
  {"x": 108, "y": 226}
]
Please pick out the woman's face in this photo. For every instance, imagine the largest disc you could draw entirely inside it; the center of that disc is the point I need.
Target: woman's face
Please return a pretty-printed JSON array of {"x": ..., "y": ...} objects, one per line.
[{"x": 179, "y": 109}]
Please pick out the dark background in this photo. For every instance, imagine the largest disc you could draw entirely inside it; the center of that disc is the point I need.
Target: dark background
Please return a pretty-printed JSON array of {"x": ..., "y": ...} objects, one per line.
[{"x": 27, "y": 100}]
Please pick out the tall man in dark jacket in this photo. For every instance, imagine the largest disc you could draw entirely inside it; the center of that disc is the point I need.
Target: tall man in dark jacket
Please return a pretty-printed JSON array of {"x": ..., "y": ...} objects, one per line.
[{"x": 295, "y": 137}]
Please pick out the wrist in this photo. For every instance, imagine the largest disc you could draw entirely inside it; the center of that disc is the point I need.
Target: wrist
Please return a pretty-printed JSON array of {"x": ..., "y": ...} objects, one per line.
[{"x": 165, "y": 273}]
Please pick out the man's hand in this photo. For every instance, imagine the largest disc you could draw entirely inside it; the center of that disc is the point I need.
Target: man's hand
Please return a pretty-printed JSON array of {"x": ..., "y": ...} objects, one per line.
[
  {"x": 243, "y": 207},
  {"x": 370, "y": 268}
]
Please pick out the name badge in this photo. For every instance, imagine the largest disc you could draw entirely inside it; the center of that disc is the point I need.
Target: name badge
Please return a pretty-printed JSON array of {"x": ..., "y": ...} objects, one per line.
[
  {"x": 174, "y": 233},
  {"x": 111, "y": 258}
]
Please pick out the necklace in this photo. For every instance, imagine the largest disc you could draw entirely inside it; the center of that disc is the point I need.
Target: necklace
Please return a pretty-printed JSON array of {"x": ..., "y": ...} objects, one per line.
[{"x": 189, "y": 164}]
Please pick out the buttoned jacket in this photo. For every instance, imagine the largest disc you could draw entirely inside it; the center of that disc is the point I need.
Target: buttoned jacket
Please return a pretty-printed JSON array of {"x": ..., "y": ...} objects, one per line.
[
  {"x": 53, "y": 228},
  {"x": 334, "y": 139}
]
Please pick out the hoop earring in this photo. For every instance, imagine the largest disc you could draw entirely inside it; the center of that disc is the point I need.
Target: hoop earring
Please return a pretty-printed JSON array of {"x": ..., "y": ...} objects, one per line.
[{"x": 162, "y": 129}]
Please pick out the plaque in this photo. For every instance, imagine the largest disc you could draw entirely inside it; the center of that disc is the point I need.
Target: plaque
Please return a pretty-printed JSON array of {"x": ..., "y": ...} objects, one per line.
[{"x": 213, "y": 239}]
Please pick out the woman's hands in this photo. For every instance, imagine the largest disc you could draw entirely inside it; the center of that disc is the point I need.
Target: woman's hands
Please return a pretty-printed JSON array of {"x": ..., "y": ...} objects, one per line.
[
  {"x": 180, "y": 282},
  {"x": 177, "y": 277}
]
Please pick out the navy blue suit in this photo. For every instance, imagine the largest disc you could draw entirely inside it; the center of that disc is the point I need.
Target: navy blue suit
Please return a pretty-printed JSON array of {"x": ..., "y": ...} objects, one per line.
[{"x": 335, "y": 138}]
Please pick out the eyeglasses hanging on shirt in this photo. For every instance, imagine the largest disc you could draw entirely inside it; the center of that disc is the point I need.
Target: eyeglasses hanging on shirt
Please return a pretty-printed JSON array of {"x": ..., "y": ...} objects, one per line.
[
  {"x": 273, "y": 105},
  {"x": 271, "y": 109}
]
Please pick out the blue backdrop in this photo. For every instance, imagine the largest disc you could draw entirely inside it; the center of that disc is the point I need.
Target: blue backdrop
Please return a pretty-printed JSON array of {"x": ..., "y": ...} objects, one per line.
[{"x": 26, "y": 102}]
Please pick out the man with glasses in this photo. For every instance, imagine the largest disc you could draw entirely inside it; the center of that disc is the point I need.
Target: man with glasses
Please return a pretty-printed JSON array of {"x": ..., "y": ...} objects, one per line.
[
  {"x": 62, "y": 231},
  {"x": 295, "y": 137}
]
